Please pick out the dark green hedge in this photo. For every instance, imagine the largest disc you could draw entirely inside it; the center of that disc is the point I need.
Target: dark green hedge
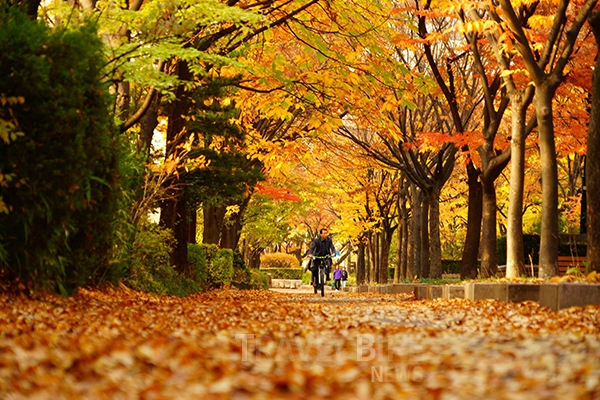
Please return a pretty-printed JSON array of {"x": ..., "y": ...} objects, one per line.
[
  {"x": 63, "y": 203},
  {"x": 283, "y": 273},
  {"x": 531, "y": 244},
  {"x": 212, "y": 267}
]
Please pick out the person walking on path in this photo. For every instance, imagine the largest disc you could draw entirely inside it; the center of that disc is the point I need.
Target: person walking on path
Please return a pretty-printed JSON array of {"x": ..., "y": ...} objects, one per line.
[
  {"x": 344, "y": 277},
  {"x": 337, "y": 277}
]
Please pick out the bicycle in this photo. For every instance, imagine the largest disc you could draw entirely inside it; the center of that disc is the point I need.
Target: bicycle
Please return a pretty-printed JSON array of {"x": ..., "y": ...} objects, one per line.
[{"x": 320, "y": 280}]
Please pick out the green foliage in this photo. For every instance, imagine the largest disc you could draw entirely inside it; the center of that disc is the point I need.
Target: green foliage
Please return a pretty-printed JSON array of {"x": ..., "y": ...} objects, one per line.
[
  {"x": 258, "y": 280},
  {"x": 198, "y": 264},
  {"x": 306, "y": 276},
  {"x": 164, "y": 29},
  {"x": 437, "y": 281},
  {"x": 246, "y": 278},
  {"x": 531, "y": 247},
  {"x": 220, "y": 269},
  {"x": 63, "y": 198},
  {"x": 567, "y": 249},
  {"x": 351, "y": 279},
  {"x": 451, "y": 266},
  {"x": 238, "y": 260},
  {"x": 278, "y": 260},
  {"x": 213, "y": 267},
  {"x": 283, "y": 273},
  {"x": 266, "y": 220},
  {"x": 150, "y": 267},
  {"x": 221, "y": 143},
  {"x": 227, "y": 267}
]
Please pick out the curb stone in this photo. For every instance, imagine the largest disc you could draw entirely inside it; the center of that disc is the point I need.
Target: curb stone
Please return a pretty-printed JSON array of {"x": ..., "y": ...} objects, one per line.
[{"x": 553, "y": 295}]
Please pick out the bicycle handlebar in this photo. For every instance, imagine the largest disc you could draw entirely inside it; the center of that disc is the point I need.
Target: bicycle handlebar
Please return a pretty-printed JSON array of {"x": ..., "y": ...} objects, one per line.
[{"x": 322, "y": 257}]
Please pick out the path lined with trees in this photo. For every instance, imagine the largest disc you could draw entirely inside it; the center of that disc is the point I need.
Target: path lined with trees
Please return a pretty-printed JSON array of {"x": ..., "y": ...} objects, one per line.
[{"x": 414, "y": 131}]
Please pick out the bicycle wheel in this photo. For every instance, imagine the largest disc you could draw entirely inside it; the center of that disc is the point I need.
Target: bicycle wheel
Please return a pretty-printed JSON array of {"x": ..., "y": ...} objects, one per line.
[{"x": 322, "y": 279}]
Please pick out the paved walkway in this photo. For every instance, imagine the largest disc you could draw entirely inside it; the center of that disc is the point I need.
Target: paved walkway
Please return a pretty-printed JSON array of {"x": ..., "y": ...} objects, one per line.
[{"x": 309, "y": 289}]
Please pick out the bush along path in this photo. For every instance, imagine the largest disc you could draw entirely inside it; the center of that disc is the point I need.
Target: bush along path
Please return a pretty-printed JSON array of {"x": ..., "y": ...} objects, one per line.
[{"x": 121, "y": 344}]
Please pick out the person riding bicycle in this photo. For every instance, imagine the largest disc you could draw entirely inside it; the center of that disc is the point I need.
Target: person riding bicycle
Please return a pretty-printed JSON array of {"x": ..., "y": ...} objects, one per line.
[{"x": 321, "y": 246}]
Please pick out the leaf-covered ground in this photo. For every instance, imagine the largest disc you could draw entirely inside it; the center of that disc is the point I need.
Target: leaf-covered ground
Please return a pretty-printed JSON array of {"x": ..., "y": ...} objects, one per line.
[{"x": 118, "y": 344}]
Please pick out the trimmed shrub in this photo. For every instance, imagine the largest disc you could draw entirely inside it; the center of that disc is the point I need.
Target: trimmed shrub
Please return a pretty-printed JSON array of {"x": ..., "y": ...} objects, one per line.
[
  {"x": 220, "y": 269},
  {"x": 198, "y": 264},
  {"x": 253, "y": 279},
  {"x": 212, "y": 267},
  {"x": 283, "y": 273},
  {"x": 258, "y": 280},
  {"x": 278, "y": 260},
  {"x": 150, "y": 267}
]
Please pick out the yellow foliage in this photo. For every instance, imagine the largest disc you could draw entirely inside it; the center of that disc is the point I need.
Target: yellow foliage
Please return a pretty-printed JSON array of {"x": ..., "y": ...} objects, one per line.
[{"x": 279, "y": 260}]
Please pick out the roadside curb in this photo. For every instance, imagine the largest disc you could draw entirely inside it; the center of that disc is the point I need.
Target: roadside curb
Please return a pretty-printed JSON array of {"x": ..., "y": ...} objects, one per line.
[{"x": 556, "y": 296}]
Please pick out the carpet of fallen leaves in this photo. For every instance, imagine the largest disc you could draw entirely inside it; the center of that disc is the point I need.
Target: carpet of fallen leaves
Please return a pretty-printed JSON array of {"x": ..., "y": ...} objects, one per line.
[{"x": 120, "y": 344}]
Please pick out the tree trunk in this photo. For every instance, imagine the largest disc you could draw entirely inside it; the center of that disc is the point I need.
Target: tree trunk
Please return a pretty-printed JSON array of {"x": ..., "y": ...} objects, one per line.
[
  {"x": 410, "y": 243},
  {"x": 360, "y": 264},
  {"x": 515, "y": 252},
  {"x": 435, "y": 244},
  {"x": 175, "y": 207},
  {"x": 30, "y": 7},
  {"x": 179, "y": 256},
  {"x": 192, "y": 225},
  {"x": 148, "y": 124},
  {"x": 405, "y": 255},
  {"x": 549, "y": 237},
  {"x": 488, "y": 240},
  {"x": 372, "y": 259},
  {"x": 251, "y": 255},
  {"x": 213, "y": 222},
  {"x": 468, "y": 265},
  {"x": 386, "y": 240},
  {"x": 416, "y": 232},
  {"x": 398, "y": 272},
  {"x": 592, "y": 166},
  {"x": 425, "y": 256}
]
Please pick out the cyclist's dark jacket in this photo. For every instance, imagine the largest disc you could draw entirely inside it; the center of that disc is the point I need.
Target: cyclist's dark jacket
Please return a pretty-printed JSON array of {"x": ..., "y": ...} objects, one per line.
[{"x": 320, "y": 248}]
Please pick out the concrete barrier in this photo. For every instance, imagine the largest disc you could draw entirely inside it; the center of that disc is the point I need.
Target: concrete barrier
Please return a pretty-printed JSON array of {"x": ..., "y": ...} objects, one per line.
[
  {"x": 453, "y": 291},
  {"x": 553, "y": 295},
  {"x": 374, "y": 289},
  {"x": 564, "y": 295},
  {"x": 401, "y": 288},
  {"x": 421, "y": 291},
  {"x": 515, "y": 292},
  {"x": 435, "y": 292}
]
